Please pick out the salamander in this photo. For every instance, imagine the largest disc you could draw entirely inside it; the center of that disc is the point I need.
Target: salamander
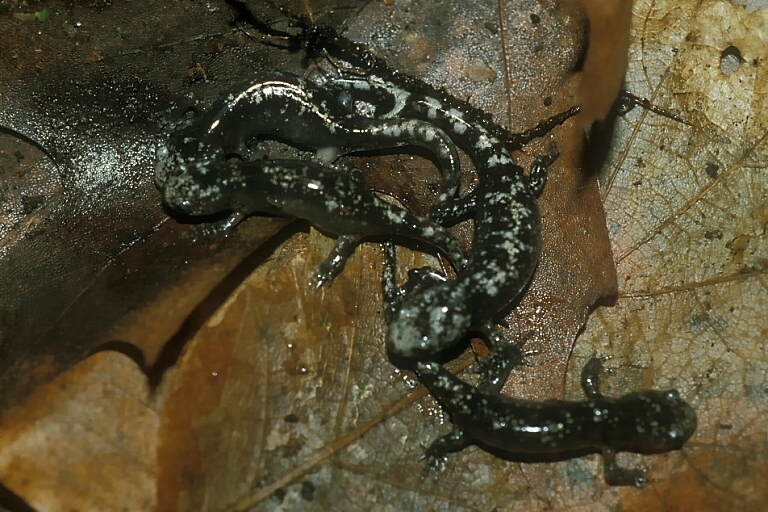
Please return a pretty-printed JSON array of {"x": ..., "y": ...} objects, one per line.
[
  {"x": 334, "y": 199},
  {"x": 645, "y": 421},
  {"x": 430, "y": 312},
  {"x": 291, "y": 109},
  {"x": 507, "y": 235}
]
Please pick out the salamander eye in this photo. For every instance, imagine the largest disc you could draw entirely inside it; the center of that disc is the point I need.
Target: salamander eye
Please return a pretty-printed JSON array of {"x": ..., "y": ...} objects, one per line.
[
  {"x": 345, "y": 98},
  {"x": 182, "y": 115},
  {"x": 672, "y": 395},
  {"x": 189, "y": 113},
  {"x": 676, "y": 432}
]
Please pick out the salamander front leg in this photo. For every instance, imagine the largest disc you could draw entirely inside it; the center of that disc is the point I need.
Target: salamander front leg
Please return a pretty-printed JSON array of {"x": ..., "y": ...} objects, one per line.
[
  {"x": 437, "y": 453},
  {"x": 392, "y": 295},
  {"x": 617, "y": 475},
  {"x": 222, "y": 227},
  {"x": 614, "y": 474},
  {"x": 436, "y": 379},
  {"x": 334, "y": 263}
]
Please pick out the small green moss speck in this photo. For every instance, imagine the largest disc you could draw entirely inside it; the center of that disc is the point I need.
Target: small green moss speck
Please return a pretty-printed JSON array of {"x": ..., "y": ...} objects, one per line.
[{"x": 43, "y": 15}]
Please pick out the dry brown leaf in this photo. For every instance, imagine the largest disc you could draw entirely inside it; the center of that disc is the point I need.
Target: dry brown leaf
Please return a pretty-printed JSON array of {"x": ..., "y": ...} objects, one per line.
[
  {"x": 88, "y": 255},
  {"x": 606, "y": 61},
  {"x": 64, "y": 449},
  {"x": 686, "y": 211}
]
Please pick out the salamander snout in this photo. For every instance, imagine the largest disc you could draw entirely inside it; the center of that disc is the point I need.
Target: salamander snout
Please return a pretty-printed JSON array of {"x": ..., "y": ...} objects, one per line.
[
  {"x": 163, "y": 164},
  {"x": 685, "y": 420},
  {"x": 653, "y": 421}
]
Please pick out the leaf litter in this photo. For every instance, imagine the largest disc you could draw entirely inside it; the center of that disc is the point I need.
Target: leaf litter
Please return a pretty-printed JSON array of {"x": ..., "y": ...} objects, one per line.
[{"x": 278, "y": 374}]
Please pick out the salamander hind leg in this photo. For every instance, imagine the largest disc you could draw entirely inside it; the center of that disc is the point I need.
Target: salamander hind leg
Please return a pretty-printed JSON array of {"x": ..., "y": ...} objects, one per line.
[
  {"x": 539, "y": 170},
  {"x": 452, "y": 211}
]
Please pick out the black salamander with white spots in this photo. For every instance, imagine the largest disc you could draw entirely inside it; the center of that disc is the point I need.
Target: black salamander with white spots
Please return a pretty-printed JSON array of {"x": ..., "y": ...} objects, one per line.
[
  {"x": 193, "y": 178},
  {"x": 334, "y": 199},
  {"x": 507, "y": 234},
  {"x": 291, "y": 109},
  {"x": 641, "y": 421},
  {"x": 430, "y": 313}
]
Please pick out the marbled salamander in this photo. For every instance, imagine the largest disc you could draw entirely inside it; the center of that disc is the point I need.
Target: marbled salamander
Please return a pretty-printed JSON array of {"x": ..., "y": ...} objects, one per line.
[
  {"x": 334, "y": 199},
  {"x": 640, "y": 422}
]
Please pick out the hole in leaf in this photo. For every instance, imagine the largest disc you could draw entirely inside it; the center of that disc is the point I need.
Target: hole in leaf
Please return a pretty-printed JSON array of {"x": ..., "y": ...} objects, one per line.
[{"x": 730, "y": 60}]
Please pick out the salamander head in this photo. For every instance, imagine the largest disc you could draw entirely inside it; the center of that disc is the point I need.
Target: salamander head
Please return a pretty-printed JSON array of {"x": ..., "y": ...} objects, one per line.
[
  {"x": 185, "y": 149},
  {"x": 428, "y": 321},
  {"x": 201, "y": 188},
  {"x": 653, "y": 421},
  {"x": 188, "y": 171}
]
